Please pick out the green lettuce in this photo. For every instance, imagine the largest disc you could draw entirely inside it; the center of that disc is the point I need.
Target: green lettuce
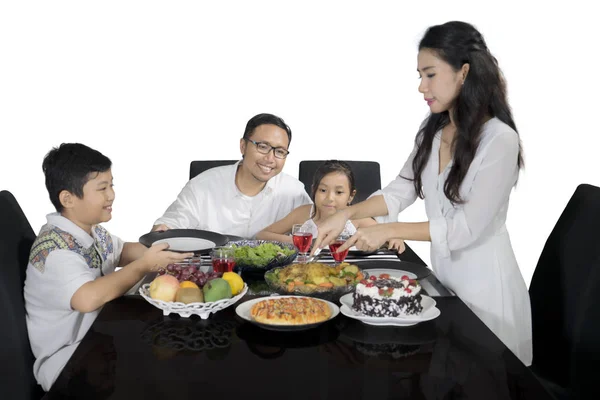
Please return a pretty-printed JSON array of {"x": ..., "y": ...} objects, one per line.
[{"x": 260, "y": 255}]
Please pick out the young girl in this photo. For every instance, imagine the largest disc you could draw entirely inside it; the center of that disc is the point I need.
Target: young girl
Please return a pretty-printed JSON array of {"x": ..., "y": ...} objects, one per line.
[
  {"x": 333, "y": 189},
  {"x": 466, "y": 160}
]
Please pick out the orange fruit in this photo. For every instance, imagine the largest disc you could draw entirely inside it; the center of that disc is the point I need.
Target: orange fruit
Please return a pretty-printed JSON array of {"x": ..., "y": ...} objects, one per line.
[{"x": 188, "y": 284}]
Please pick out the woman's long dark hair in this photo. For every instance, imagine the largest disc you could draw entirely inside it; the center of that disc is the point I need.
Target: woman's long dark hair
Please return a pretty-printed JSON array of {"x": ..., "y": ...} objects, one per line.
[{"x": 483, "y": 95}]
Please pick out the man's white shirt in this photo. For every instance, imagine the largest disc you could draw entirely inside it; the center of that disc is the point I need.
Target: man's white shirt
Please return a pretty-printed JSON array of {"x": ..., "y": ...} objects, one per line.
[{"x": 211, "y": 201}]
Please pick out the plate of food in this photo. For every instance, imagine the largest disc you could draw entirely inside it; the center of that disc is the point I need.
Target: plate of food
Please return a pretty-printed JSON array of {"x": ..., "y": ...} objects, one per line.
[
  {"x": 185, "y": 240},
  {"x": 387, "y": 300},
  {"x": 315, "y": 279},
  {"x": 261, "y": 255},
  {"x": 287, "y": 313}
]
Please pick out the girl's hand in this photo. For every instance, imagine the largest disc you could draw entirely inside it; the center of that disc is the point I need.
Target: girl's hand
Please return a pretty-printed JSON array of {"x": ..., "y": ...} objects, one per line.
[
  {"x": 157, "y": 257},
  {"x": 369, "y": 238},
  {"x": 397, "y": 244},
  {"x": 329, "y": 229}
]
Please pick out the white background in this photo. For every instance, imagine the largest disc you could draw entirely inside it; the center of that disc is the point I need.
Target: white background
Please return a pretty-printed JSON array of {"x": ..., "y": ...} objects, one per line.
[{"x": 154, "y": 85}]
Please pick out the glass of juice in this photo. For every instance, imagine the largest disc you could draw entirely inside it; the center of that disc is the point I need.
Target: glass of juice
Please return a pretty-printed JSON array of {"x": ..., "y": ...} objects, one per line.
[
  {"x": 302, "y": 238},
  {"x": 223, "y": 259},
  {"x": 333, "y": 246}
]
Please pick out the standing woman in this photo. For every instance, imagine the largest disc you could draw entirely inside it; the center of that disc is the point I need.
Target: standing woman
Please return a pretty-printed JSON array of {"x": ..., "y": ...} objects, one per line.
[{"x": 466, "y": 160}]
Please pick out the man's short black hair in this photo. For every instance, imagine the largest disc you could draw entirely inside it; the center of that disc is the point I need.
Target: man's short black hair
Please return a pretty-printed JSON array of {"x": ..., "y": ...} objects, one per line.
[{"x": 266, "y": 119}]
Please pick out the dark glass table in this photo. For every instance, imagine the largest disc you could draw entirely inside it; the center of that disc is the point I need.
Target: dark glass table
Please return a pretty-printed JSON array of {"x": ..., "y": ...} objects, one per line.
[{"x": 133, "y": 352}]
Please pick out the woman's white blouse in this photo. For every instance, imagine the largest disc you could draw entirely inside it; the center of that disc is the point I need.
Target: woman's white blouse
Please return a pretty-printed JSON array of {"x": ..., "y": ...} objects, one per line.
[{"x": 471, "y": 252}]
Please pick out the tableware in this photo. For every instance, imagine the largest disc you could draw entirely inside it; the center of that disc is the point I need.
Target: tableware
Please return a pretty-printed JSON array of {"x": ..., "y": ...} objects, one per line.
[
  {"x": 429, "y": 312},
  {"x": 185, "y": 310},
  {"x": 185, "y": 240},
  {"x": 336, "y": 244},
  {"x": 394, "y": 273},
  {"x": 234, "y": 238},
  {"x": 243, "y": 311},
  {"x": 246, "y": 265},
  {"x": 222, "y": 259},
  {"x": 421, "y": 271},
  {"x": 322, "y": 292},
  {"x": 302, "y": 238}
]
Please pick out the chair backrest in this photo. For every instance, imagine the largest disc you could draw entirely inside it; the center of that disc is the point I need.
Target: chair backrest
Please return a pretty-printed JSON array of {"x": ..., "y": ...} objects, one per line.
[
  {"x": 565, "y": 295},
  {"x": 197, "y": 167},
  {"x": 366, "y": 174},
  {"x": 16, "y": 237}
]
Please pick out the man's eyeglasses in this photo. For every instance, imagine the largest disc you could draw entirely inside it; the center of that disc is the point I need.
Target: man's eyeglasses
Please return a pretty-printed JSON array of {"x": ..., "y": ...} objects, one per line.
[{"x": 265, "y": 148}]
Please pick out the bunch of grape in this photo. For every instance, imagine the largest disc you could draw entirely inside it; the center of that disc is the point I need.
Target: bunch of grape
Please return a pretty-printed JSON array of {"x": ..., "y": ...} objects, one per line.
[{"x": 189, "y": 272}]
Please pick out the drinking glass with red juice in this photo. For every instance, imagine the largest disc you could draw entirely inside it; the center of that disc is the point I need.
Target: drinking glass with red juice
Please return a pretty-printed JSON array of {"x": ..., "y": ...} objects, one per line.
[
  {"x": 302, "y": 239},
  {"x": 333, "y": 246},
  {"x": 223, "y": 259}
]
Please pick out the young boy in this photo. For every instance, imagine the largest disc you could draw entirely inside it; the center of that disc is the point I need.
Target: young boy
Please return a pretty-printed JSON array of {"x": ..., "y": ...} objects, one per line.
[{"x": 71, "y": 271}]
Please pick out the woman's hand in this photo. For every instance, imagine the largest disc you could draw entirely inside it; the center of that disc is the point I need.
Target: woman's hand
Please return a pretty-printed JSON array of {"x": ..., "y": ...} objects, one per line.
[
  {"x": 329, "y": 229},
  {"x": 397, "y": 244},
  {"x": 369, "y": 238}
]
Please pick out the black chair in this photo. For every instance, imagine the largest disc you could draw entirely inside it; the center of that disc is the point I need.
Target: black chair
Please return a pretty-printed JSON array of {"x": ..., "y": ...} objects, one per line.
[
  {"x": 366, "y": 173},
  {"x": 16, "y": 237},
  {"x": 197, "y": 167},
  {"x": 565, "y": 301}
]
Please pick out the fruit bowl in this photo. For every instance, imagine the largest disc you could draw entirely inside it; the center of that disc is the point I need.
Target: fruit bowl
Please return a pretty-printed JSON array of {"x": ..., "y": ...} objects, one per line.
[{"x": 186, "y": 310}]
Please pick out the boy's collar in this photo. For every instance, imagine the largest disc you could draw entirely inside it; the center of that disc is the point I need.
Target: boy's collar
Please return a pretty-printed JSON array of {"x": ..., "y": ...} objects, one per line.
[{"x": 62, "y": 222}]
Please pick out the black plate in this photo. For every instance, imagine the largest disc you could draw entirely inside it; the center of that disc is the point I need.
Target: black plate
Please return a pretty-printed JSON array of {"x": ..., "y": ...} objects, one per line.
[
  {"x": 152, "y": 237},
  {"x": 421, "y": 271},
  {"x": 233, "y": 238}
]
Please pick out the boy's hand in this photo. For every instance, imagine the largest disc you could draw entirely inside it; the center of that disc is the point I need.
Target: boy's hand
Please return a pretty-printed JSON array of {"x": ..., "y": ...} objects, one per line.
[
  {"x": 161, "y": 227},
  {"x": 156, "y": 257}
]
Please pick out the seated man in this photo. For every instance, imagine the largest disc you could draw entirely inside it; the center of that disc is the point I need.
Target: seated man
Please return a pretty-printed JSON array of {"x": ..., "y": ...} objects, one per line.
[{"x": 243, "y": 198}]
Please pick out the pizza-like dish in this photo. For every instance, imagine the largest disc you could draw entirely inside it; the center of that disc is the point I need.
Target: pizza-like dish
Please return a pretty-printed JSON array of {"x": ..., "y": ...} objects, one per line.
[{"x": 290, "y": 311}]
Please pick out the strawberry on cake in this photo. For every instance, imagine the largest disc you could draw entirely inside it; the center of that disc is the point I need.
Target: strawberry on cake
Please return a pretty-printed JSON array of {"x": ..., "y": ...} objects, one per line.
[{"x": 386, "y": 296}]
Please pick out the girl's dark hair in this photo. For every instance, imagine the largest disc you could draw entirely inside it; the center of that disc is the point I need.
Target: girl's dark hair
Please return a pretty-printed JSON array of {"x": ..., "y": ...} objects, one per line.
[
  {"x": 483, "y": 95},
  {"x": 326, "y": 168},
  {"x": 69, "y": 167}
]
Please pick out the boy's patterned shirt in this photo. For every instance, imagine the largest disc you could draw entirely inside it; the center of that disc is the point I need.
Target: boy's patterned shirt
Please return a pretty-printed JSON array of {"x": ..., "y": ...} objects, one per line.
[{"x": 54, "y": 238}]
